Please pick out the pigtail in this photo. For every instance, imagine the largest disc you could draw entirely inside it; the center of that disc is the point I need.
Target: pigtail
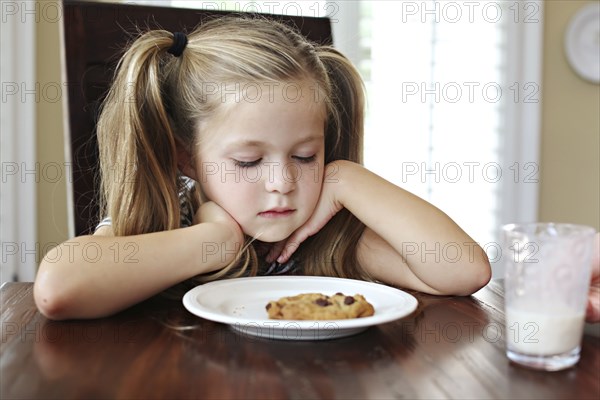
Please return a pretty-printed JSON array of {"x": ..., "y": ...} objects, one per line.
[
  {"x": 138, "y": 161},
  {"x": 332, "y": 251},
  {"x": 346, "y": 122}
]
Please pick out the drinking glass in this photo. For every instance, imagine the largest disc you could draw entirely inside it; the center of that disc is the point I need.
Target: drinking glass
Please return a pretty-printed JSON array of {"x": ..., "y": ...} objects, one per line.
[{"x": 547, "y": 277}]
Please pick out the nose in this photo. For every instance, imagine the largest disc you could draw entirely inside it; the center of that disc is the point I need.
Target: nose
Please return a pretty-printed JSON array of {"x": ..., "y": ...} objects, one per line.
[{"x": 282, "y": 177}]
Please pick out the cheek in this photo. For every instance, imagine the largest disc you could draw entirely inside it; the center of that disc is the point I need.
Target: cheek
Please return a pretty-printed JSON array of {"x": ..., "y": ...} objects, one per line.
[
  {"x": 232, "y": 196},
  {"x": 313, "y": 182}
]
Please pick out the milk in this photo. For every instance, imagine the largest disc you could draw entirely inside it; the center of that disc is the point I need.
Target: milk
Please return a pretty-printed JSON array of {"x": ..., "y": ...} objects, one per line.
[{"x": 543, "y": 334}]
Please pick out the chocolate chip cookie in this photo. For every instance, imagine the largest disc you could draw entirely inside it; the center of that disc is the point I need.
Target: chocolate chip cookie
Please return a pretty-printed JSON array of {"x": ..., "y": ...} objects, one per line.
[{"x": 317, "y": 306}]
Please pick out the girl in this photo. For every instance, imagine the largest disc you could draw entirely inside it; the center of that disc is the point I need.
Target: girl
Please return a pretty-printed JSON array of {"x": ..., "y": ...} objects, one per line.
[{"x": 269, "y": 129}]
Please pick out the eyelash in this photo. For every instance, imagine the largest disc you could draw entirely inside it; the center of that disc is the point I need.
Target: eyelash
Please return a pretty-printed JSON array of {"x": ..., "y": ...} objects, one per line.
[
  {"x": 248, "y": 164},
  {"x": 306, "y": 160}
]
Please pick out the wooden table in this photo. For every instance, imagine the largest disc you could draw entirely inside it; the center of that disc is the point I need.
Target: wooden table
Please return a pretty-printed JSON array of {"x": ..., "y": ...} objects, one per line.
[{"x": 451, "y": 347}]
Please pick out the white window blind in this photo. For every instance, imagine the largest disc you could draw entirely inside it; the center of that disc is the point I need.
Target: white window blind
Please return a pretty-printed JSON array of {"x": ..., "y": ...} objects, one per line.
[
  {"x": 454, "y": 96},
  {"x": 437, "y": 87},
  {"x": 18, "y": 207},
  {"x": 453, "y": 99}
]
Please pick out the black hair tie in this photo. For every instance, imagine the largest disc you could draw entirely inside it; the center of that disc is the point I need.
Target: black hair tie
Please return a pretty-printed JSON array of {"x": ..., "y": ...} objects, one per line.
[{"x": 179, "y": 42}]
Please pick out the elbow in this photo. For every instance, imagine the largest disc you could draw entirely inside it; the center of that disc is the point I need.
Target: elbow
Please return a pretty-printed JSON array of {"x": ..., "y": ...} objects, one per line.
[
  {"x": 478, "y": 276},
  {"x": 49, "y": 306},
  {"x": 49, "y": 302},
  {"x": 49, "y": 292}
]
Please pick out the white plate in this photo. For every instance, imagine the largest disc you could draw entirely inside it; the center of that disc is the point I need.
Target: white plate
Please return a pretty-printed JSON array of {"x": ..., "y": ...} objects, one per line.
[
  {"x": 241, "y": 304},
  {"x": 582, "y": 42}
]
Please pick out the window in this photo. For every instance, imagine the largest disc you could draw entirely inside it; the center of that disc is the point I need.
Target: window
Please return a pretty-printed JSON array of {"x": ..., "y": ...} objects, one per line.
[
  {"x": 18, "y": 233},
  {"x": 453, "y": 89}
]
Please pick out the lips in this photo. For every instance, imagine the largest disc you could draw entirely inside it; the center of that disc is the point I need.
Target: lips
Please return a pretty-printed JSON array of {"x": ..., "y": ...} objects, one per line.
[{"x": 277, "y": 212}]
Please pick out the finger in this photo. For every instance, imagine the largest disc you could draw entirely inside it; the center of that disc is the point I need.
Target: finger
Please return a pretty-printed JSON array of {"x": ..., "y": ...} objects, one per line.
[
  {"x": 275, "y": 251},
  {"x": 292, "y": 245},
  {"x": 312, "y": 226},
  {"x": 592, "y": 314},
  {"x": 289, "y": 250},
  {"x": 593, "y": 306}
]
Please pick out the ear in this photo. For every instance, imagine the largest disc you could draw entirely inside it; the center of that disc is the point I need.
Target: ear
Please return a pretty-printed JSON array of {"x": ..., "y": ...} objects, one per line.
[{"x": 185, "y": 161}]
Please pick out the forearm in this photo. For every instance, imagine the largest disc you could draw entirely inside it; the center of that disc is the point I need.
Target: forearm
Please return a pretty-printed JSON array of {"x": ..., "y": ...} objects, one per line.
[
  {"x": 94, "y": 276},
  {"x": 433, "y": 246}
]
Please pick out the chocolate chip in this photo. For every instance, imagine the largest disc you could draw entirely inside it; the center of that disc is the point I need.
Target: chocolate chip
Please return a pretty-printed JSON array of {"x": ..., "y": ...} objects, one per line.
[
  {"x": 322, "y": 302},
  {"x": 348, "y": 300},
  {"x": 339, "y": 294},
  {"x": 268, "y": 307}
]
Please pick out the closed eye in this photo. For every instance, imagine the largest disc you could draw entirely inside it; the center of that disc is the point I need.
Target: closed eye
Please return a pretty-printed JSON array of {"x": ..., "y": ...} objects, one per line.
[
  {"x": 305, "y": 160},
  {"x": 246, "y": 164}
]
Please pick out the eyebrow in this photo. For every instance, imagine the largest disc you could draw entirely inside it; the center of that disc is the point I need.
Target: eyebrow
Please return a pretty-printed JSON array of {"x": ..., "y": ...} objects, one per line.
[{"x": 258, "y": 143}]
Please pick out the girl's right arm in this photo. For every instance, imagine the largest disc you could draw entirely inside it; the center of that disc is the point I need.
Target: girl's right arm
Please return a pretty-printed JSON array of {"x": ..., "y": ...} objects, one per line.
[{"x": 99, "y": 275}]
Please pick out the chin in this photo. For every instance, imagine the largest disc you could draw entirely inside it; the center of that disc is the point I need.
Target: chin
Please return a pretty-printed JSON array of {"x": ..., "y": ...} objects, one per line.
[
  {"x": 268, "y": 240},
  {"x": 269, "y": 236}
]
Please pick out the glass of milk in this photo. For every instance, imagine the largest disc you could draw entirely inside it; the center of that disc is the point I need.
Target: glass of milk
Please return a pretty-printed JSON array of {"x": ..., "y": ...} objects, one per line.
[{"x": 547, "y": 277}]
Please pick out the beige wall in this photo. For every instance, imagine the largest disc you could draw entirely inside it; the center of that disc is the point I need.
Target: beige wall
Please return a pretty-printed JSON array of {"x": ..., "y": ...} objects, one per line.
[
  {"x": 569, "y": 165},
  {"x": 570, "y": 146}
]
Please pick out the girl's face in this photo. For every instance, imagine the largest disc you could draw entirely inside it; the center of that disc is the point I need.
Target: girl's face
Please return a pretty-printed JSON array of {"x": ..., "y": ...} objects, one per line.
[{"x": 262, "y": 159}]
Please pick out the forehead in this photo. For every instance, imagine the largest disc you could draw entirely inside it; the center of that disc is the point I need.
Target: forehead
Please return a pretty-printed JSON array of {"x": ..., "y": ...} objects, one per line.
[
  {"x": 227, "y": 95},
  {"x": 265, "y": 112}
]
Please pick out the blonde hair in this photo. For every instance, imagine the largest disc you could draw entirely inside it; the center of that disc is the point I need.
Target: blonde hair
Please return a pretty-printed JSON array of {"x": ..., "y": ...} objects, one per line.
[{"x": 158, "y": 100}]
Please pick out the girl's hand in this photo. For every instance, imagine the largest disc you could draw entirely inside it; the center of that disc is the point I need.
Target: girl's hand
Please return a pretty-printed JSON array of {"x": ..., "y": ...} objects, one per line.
[
  {"x": 327, "y": 206},
  {"x": 213, "y": 213},
  {"x": 593, "y": 307}
]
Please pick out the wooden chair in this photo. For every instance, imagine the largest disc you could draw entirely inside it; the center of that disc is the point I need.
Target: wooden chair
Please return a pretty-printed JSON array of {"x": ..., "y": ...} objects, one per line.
[{"x": 94, "y": 35}]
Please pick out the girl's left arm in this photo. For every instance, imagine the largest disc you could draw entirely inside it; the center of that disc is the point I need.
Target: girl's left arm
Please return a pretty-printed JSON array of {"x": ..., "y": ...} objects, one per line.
[{"x": 407, "y": 241}]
